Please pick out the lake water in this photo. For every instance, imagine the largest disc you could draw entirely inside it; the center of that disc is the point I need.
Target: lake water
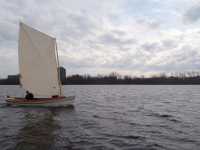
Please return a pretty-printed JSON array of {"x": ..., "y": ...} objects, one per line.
[{"x": 106, "y": 117}]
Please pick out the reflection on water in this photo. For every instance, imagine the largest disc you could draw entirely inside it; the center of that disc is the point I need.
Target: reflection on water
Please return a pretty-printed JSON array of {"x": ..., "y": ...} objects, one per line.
[{"x": 41, "y": 131}]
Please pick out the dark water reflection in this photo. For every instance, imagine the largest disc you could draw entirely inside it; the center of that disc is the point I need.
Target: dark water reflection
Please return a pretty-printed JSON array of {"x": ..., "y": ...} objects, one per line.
[{"x": 41, "y": 131}]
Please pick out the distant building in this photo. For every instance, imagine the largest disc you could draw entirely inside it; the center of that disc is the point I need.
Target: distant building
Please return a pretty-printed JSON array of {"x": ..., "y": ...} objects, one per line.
[
  {"x": 12, "y": 79},
  {"x": 62, "y": 72},
  {"x": 3, "y": 81}
]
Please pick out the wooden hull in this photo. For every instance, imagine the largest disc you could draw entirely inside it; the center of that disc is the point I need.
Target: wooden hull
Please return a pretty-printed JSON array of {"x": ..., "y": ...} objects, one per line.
[{"x": 48, "y": 102}]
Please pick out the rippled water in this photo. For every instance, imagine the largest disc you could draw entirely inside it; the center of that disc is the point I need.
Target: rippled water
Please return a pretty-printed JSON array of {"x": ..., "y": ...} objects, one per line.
[{"x": 106, "y": 117}]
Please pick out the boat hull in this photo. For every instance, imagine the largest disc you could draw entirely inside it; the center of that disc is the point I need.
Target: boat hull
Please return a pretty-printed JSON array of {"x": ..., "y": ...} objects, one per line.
[{"x": 47, "y": 102}]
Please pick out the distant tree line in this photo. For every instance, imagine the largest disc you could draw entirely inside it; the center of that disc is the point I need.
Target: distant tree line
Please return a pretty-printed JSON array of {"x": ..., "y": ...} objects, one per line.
[{"x": 116, "y": 78}]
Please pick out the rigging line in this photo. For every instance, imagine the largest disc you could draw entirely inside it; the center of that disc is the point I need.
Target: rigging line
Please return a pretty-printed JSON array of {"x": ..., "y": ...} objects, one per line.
[{"x": 17, "y": 90}]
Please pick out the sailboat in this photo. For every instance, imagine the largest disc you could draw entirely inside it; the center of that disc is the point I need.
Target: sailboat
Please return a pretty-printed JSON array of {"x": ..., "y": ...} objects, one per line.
[{"x": 39, "y": 69}]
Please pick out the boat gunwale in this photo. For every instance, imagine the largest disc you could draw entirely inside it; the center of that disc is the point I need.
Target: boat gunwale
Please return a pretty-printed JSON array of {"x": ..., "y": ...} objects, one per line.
[{"x": 42, "y": 100}]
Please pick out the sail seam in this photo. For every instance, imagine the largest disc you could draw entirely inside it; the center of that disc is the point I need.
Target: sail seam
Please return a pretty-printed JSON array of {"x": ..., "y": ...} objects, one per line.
[
  {"x": 34, "y": 64},
  {"x": 35, "y": 31},
  {"x": 39, "y": 80}
]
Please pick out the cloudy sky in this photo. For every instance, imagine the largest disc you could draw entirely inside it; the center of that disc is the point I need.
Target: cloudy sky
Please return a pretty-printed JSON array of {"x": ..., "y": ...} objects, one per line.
[{"x": 132, "y": 37}]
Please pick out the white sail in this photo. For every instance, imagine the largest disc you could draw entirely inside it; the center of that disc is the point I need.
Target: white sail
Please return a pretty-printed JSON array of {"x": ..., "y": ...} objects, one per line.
[{"x": 37, "y": 62}]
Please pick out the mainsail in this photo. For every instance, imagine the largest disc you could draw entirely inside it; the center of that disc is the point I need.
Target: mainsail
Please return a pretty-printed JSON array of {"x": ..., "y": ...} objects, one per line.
[{"x": 37, "y": 62}]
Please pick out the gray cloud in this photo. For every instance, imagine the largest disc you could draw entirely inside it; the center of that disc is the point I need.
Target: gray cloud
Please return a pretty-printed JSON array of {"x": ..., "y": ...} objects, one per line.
[
  {"x": 157, "y": 23},
  {"x": 187, "y": 58},
  {"x": 169, "y": 44},
  {"x": 151, "y": 24},
  {"x": 150, "y": 46},
  {"x": 116, "y": 38},
  {"x": 192, "y": 14},
  {"x": 8, "y": 66},
  {"x": 188, "y": 55},
  {"x": 8, "y": 33}
]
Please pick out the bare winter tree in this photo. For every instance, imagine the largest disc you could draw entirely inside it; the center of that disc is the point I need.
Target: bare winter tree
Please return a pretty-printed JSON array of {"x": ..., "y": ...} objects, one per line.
[{"x": 115, "y": 74}]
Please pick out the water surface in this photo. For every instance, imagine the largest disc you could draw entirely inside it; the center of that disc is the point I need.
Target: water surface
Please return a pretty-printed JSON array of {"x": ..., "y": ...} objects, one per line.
[{"x": 106, "y": 117}]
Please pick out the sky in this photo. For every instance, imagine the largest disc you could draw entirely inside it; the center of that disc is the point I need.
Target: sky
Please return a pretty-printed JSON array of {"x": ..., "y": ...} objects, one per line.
[{"x": 131, "y": 37}]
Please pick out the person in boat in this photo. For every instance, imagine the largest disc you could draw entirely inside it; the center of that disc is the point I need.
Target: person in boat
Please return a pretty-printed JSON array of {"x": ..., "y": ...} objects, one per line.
[{"x": 29, "y": 96}]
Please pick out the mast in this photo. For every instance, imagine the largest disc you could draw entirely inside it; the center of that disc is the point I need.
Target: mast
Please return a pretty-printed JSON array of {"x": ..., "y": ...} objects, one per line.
[
  {"x": 18, "y": 56},
  {"x": 58, "y": 69}
]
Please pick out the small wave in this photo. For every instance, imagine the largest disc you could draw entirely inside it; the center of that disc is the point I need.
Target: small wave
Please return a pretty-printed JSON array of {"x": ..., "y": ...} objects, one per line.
[
  {"x": 85, "y": 142},
  {"x": 2, "y": 105},
  {"x": 133, "y": 137},
  {"x": 165, "y": 116},
  {"x": 100, "y": 147},
  {"x": 168, "y": 117},
  {"x": 160, "y": 115},
  {"x": 5, "y": 105},
  {"x": 141, "y": 107},
  {"x": 96, "y": 116},
  {"x": 118, "y": 142},
  {"x": 175, "y": 120},
  {"x": 189, "y": 140},
  {"x": 154, "y": 145},
  {"x": 135, "y": 124}
]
